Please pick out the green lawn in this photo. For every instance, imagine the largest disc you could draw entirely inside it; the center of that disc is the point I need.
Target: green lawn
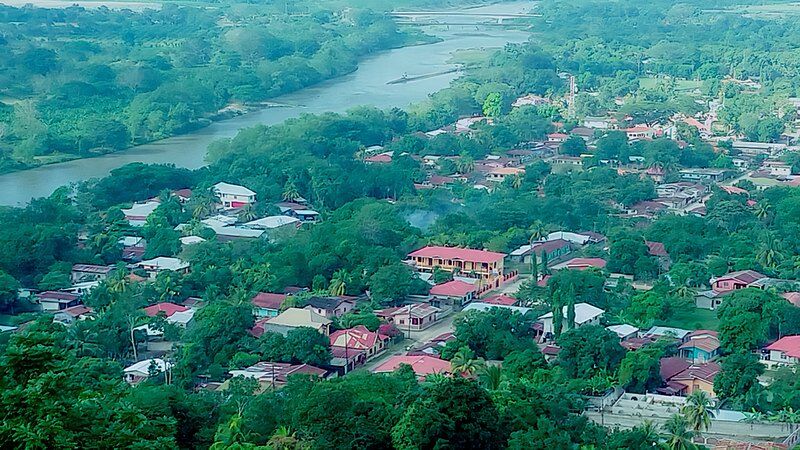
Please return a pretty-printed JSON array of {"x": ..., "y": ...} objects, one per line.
[{"x": 692, "y": 319}]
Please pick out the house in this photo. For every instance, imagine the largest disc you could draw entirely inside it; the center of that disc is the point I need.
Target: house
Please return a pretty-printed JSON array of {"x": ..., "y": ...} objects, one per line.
[
  {"x": 695, "y": 377},
  {"x": 90, "y": 272},
  {"x": 330, "y": 307},
  {"x": 647, "y": 209},
  {"x": 421, "y": 365},
  {"x": 166, "y": 309},
  {"x": 294, "y": 318},
  {"x": 500, "y": 174},
  {"x": 666, "y": 332},
  {"x": 624, "y": 331},
  {"x": 639, "y": 132},
  {"x": 483, "y": 307},
  {"x": 413, "y": 317},
  {"x": 360, "y": 338},
  {"x": 585, "y": 133},
  {"x": 183, "y": 195},
  {"x": 530, "y": 100},
  {"x": 273, "y": 223},
  {"x": 785, "y": 350},
  {"x": 557, "y": 137},
  {"x": 711, "y": 175},
  {"x": 792, "y": 297},
  {"x": 142, "y": 370},
  {"x": 736, "y": 280},
  {"x": 275, "y": 375},
  {"x": 381, "y": 158},
  {"x": 233, "y": 196},
  {"x": 137, "y": 214},
  {"x": 585, "y": 314},
  {"x": 190, "y": 240},
  {"x": 777, "y": 168},
  {"x": 569, "y": 161},
  {"x": 156, "y": 265},
  {"x": 602, "y": 123},
  {"x": 481, "y": 263},
  {"x": 267, "y": 304},
  {"x": 500, "y": 299},
  {"x": 459, "y": 292},
  {"x": 57, "y": 300},
  {"x": 657, "y": 249},
  {"x": 70, "y": 315},
  {"x": 700, "y": 346},
  {"x": 581, "y": 264},
  {"x": 550, "y": 249},
  {"x": 710, "y": 299}
]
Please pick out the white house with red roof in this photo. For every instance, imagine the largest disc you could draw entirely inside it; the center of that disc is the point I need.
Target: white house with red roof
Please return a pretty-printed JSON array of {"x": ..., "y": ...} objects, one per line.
[
  {"x": 639, "y": 132},
  {"x": 360, "y": 338},
  {"x": 459, "y": 292},
  {"x": 465, "y": 261},
  {"x": 785, "y": 350}
]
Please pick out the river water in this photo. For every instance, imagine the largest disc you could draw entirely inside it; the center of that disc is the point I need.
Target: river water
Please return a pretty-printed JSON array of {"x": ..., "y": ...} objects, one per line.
[{"x": 366, "y": 86}]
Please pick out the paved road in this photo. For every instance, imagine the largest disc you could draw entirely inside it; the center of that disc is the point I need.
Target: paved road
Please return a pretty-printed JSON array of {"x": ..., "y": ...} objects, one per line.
[{"x": 418, "y": 338}]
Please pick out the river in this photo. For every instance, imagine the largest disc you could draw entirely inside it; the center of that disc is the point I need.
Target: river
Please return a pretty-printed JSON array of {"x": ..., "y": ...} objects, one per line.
[{"x": 366, "y": 86}]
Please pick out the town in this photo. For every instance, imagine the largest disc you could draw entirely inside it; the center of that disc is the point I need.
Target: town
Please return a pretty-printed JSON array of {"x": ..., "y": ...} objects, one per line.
[{"x": 526, "y": 259}]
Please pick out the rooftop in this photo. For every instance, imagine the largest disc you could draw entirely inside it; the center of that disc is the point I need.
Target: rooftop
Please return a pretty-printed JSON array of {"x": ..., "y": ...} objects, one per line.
[
  {"x": 232, "y": 189},
  {"x": 164, "y": 263},
  {"x": 421, "y": 365},
  {"x": 455, "y": 253},
  {"x": 297, "y": 317},
  {"x": 166, "y": 307},
  {"x": 271, "y": 222},
  {"x": 790, "y": 345},
  {"x": 358, "y": 337},
  {"x": 269, "y": 300},
  {"x": 454, "y": 288},
  {"x": 584, "y": 312}
]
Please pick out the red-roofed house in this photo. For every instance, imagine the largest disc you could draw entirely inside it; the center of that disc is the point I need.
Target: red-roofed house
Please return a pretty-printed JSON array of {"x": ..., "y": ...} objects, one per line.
[
  {"x": 785, "y": 350},
  {"x": 736, "y": 280},
  {"x": 792, "y": 297},
  {"x": 683, "y": 378},
  {"x": 503, "y": 300},
  {"x": 70, "y": 315},
  {"x": 360, "y": 338},
  {"x": 460, "y": 292},
  {"x": 657, "y": 249},
  {"x": 57, "y": 300},
  {"x": 268, "y": 304},
  {"x": 733, "y": 190},
  {"x": 485, "y": 264},
  {"x": 382, "y": 158},
  {"x": 557, "y": 137},
  {"x": 581, "y": 264},
  {"x": 164, "y": 307},
  {"x": 421, "y": 365}
]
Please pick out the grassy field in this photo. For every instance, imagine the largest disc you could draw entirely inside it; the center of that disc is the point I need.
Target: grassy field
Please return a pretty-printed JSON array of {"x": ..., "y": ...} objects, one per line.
[
  {"x": 469, "y": 57},
  {"x": 680, "y": 85},
  {"x": 693, "y": 319}
]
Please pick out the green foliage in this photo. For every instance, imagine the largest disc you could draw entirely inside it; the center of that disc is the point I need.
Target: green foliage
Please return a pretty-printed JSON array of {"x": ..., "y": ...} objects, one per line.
[
  {"x": 299, "y": 346},
  {"x": 589, "y": 349}
]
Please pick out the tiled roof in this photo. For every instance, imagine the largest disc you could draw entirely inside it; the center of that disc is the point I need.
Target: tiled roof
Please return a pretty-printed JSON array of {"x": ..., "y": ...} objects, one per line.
[
  {"x": 91, "y": 268},
  {"x": 421, "y": 365},
  {"x": 58, "y": 295},
  {"x": 707, "y": 371},
  {"x": 454, "y": 253},
  {"x": 793, "y": 297},
  {"x": 672, "y": 366},
  {"x": 656, "y": 248},
  {"x": 167, "y": 308},
  {"x": 327, "y": 303},
  {"x": 358, "y": 337},
  {"x": 549, "y": 246},
  {"x": 744, "y": 276},
  {"x": 454, "y": 288},
  {"x": 500, "y": 300},
  {"x": 77, "y": 311},
  {"x": 708, "y": 344},
  {"x": 582, "y": 263},
  {"x": 269, "y": 300},
  {"x": 790, "y": 345}
]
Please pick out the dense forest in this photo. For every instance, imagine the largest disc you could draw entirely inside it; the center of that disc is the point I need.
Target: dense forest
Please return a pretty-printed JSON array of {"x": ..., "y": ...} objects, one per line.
[
  {"x": 62, "y": 387},
  {"x": 77, "y": 82}
]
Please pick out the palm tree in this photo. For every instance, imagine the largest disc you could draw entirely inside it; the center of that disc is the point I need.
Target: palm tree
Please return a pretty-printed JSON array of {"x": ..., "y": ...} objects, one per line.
[
  {"x": 649, "y": 433},
  {"x": 463, "y": 362},
  {"x": 538, "y": 231},
  {"x": 465, "y": 164},
  {"x": 697, "y": 411},
  {"x": 248, "y": 212},
  {"x": 678, "y": 436},
  {"x": 491, "y": 377},
  {"x": 339, "y": 280},
  {"x": 770, "y": 254},
  {"x": 290, "y": 192},
  {"x": 516, "y": 182},
  {"x": 285, "y": 439},
  {"x": 763, "y": 209}
]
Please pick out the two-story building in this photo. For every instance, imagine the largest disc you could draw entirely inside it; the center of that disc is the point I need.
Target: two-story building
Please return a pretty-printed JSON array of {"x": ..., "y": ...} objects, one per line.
[
  {"x": 233, "y": 196},
  {"x": 700, "y": 346},
  {"x": 331, "y": 307},
  {"x": 464, "y": 261},
  {"x": 156, "y": 265}
]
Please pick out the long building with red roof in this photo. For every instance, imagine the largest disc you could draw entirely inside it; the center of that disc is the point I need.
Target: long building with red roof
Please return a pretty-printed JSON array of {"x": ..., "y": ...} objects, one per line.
[{"x": 465, "y": 261}]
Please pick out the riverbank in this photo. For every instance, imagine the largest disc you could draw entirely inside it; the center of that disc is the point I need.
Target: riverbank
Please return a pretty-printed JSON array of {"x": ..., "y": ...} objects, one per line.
[{"x": 366, "y": 86}]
